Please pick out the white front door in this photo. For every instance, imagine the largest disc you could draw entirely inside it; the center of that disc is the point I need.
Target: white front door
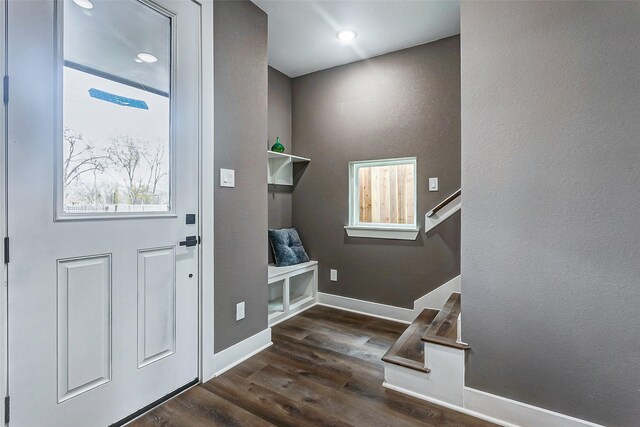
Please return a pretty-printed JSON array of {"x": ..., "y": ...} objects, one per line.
[{"x": 103, "y": 133}]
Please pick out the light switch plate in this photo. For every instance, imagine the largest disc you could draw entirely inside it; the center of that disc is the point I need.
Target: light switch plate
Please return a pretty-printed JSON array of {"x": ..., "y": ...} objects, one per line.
[
  {"x": 227, "y": 178},
  {"x": 433, "y": 184},
  {"x": 240, "y": 311},
  {"x": 334, "y": 275}
]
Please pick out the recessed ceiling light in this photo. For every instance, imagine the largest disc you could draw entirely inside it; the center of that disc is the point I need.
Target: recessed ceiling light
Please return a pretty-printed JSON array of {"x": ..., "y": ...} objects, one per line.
[
  {"x": 85, "y": 4},
  {"x": 147, "y": 57},
  {"x": 138, "y": 60},
  {"x": 346, "y": 36}
]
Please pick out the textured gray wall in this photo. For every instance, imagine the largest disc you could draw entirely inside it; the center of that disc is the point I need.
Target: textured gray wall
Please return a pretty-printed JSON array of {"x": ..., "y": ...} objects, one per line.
[
  {"x": 550, "y": 228},
  {"x": 240, "y": 42},
  {"x": 279, "y": 108},
  {"x": 405, "y": 103},
  {"x": 280, "y": 198}
]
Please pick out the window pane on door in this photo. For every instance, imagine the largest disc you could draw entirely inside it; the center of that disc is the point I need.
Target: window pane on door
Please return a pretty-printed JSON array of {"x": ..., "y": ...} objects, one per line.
[
  {"x": 387, "y": 194},
  {"x": 116, "y": 142}
]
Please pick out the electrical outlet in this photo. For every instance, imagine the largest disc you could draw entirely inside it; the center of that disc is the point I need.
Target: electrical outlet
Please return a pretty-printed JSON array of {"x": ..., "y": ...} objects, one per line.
[
  {"x": 334, "y": 275},
  {"x": 240, "y": 311}
]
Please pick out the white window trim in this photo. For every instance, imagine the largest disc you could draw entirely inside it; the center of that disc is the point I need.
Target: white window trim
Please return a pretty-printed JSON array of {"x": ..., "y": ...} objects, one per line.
[
  {"x": 379, "y": 230},
  {"x": 382, "y": 233}
]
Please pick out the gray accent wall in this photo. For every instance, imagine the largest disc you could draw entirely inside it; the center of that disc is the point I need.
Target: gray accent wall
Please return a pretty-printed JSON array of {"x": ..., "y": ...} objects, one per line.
[
  {"x": 280, "y": 109},
  {"x": 240, "y": 83},
  {"x": 550, "y": 223},
  {"x": 401, "y": 104},
  {"x": 280, "y": 197}
]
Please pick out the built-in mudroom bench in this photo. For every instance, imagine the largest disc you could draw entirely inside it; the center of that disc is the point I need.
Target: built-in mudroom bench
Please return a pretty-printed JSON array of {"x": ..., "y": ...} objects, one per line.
[{"x": 291, "y": 290}]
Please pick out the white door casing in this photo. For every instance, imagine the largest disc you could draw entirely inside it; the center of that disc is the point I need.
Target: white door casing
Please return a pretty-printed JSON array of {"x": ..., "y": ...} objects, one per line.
[
  {"x": 3, "y": 288},
  {"x": 103, "y": 316}
]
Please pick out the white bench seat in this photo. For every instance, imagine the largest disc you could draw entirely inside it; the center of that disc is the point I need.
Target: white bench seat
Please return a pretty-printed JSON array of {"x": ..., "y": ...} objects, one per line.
[{"x": 281, "y": 271}]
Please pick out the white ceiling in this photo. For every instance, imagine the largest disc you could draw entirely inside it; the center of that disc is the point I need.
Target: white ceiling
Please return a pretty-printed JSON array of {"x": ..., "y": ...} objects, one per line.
[{"x": 302, "y": 33}]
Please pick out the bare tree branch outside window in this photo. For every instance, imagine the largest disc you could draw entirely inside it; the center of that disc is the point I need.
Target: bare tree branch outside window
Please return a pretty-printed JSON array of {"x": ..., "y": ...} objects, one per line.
[
  {"x": 80, "y": 157},
  {"x": 128, "y": 167}
]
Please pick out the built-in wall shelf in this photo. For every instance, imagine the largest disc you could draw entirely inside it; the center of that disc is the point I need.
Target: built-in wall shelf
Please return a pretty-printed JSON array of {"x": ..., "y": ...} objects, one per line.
[
  {"x": 295, "y": 159},
  {"x": 280, "y": 167}
]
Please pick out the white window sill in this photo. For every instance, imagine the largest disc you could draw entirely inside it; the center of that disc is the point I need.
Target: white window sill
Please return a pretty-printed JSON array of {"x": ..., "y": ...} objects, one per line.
[{"x": 382, "y": 232}]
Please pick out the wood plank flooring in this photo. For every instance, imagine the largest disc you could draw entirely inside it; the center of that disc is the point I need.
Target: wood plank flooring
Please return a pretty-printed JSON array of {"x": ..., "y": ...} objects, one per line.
[{"x": 324, "y": 369}]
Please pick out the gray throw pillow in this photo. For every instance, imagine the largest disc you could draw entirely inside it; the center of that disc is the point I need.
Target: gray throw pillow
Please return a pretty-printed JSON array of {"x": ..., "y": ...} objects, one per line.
[{"x": 287, "y": 247}]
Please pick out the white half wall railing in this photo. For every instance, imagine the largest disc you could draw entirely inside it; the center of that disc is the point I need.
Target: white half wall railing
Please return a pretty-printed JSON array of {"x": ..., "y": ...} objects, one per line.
[
  {"x": 437, "y": 297},
  {"x": 444, "y": 210}
]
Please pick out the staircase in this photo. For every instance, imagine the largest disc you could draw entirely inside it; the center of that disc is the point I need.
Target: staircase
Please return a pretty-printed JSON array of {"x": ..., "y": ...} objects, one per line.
[
  {"x": 408, "y": 350},
  {"x": 427, "y": 361}
]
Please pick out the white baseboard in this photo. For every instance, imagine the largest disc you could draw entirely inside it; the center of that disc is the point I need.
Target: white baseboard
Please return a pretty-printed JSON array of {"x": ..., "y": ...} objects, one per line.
[
  {"x": 512, "y": 412},
  {"x": 436, "y": 298},
  {"x": 238, "y": 353},
  {"x": 502, "y": 411},
  {"x": 447, "y": 405},
  {"x": 382, "y": 311}
]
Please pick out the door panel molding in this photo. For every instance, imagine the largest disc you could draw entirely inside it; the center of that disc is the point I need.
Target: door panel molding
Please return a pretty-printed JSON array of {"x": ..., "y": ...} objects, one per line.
[
  {"x": 83, "y": 324},
  {"x": 156, "y": 304}
]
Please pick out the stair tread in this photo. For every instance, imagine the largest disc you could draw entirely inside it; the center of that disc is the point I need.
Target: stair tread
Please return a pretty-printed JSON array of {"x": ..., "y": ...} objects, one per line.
[
  {"x": 407, "y": 363},
  {"x": 444, "y": 327},
  {"x": 408, "y": 350}
]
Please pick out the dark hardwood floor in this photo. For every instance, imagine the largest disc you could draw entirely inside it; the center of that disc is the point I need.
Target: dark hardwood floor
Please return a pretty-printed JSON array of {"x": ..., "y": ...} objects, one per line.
[{"x": 324, "y": 369}]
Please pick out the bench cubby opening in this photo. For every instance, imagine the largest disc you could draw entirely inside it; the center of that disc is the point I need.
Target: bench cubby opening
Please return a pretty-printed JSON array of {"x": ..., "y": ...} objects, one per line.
[{"x": 291, "y": 290}]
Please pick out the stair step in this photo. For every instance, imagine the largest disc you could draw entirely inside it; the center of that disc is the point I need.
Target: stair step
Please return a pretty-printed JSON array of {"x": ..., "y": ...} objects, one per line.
[
  {"x": 407, "y": 363},
  {"x": 408, "y": 350},
  {"x": 443, "y": 329}
]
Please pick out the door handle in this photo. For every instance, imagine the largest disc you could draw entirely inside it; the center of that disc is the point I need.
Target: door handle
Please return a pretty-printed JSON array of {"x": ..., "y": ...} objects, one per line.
[{"x": 191, "y": 241}]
